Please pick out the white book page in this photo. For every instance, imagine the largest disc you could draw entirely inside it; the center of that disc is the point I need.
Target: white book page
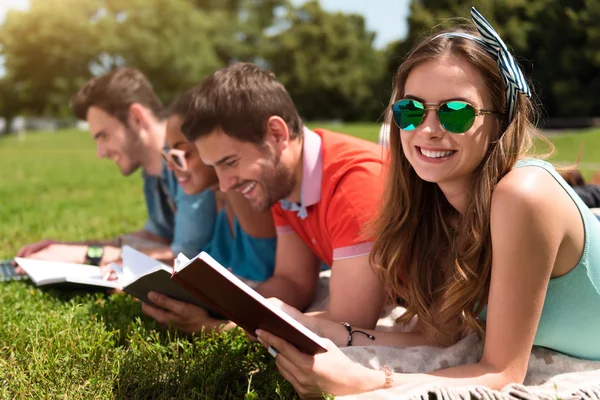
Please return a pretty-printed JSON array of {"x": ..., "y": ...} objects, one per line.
[
  {"x": 236, "y": 281},
  {"x": 42, "y": 271},
  {"x": 136, "y": 264},
  {"x": 180, "y": 262}
]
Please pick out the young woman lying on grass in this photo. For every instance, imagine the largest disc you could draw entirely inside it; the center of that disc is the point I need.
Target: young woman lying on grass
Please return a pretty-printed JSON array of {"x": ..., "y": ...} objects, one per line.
[
  {"x": 473, "y": 235},
  {"x": 243, "y": 240}
]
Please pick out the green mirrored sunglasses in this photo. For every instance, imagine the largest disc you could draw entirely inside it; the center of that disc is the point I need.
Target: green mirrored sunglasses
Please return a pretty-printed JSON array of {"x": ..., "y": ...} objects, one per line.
[{"x": 456, "y": 116}]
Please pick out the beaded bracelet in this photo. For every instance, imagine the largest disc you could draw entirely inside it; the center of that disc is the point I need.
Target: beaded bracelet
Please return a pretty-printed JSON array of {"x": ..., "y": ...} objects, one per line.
[
  {"x": 388, "y": 376},
  {"x": 352, "y": 332}
]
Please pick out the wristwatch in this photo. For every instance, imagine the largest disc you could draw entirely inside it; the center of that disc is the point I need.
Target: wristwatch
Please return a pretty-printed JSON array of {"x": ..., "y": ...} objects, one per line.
[{"x": 94, "y": 254}]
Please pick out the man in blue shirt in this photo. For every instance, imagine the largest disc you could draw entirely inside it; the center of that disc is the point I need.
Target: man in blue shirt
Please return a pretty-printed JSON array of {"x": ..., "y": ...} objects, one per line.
[{"x": 123, "y": 114}]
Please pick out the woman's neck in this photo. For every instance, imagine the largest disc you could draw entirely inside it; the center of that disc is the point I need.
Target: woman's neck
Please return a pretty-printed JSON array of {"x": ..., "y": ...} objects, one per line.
[{"x": 457, "y": 193}]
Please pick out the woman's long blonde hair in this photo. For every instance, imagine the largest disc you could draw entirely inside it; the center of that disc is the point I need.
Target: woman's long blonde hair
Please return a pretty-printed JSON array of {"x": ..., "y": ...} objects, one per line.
[{"x": 437, "y": 260}]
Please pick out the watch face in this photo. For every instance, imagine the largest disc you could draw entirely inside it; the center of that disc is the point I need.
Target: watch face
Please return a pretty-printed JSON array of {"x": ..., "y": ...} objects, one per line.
[
  {"x": 94, "y": 255},
  {"x": 95, "y": 252}
]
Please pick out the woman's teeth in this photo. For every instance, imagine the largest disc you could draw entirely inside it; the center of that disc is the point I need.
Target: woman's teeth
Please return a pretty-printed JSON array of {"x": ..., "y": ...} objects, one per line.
[{"x": 436, "y": 154}]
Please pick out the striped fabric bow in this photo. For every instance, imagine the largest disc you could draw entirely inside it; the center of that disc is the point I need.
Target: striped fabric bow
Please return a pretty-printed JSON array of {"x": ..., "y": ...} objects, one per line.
[{"x": 513, "y": 78}]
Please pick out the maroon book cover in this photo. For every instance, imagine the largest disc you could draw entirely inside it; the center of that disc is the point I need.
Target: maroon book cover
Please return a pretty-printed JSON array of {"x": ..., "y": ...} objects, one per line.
[{"x": 222, "y": 291}]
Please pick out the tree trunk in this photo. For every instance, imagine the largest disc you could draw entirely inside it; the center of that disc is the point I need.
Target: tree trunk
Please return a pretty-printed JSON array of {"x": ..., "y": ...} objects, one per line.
[{"x": 8, "y": 126}]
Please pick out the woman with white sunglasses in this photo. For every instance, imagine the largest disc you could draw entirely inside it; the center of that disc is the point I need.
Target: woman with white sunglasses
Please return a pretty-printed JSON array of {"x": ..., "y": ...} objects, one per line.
[{"x": 243, "y": 240}]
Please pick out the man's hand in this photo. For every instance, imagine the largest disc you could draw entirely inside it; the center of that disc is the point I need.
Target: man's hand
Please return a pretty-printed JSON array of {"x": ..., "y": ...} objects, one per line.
[
  {"x": 69, "y": 253},
  {"x": 32, "y": 248},
  {"x": 112, "y": 254},
  {"x": 186, "y": 317},
  {"x": 107, "y": 273}
]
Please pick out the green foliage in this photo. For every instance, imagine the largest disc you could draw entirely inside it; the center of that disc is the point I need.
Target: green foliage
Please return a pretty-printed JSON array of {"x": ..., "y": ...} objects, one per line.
[
  {"x": 555, "y": 41},
  {"x": 53, "y": 48},
  {"x": 326, "y": 60},
  {"x": 328, "y": 63},
  {"x": 171, "y": 41},
  {"x": 10, "y": 101},
  {"x": 250, "y": 21},
  {"x": 47, "y": 51}
]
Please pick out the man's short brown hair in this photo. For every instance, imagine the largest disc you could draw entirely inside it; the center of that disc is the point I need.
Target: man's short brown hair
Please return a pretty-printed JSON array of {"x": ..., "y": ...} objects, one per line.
[
  {"x": 114, "y": 93},
  {"x": 239, "y": 99}
]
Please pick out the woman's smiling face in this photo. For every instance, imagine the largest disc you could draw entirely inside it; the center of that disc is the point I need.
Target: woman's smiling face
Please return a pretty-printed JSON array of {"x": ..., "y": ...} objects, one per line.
[
  {"x": 198, "y": 176},
  {"x": 436, "y": 155}
]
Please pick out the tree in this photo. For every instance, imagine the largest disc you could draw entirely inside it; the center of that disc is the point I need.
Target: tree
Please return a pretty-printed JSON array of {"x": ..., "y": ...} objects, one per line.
[
  {"x": 51, "y": 49},
  {"x": 171, "y": 41},
  {"x": 555, "y": 41},
  {"x": 10, "y": 102},
  {"x": 328, "y": 63},
  {"x": 47, "y": 50},
  {"x": 243, "y": 38}
]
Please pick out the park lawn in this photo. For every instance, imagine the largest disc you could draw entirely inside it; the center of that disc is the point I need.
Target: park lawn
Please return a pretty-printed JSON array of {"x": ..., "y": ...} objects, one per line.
[{"x": 89, "y": 345}]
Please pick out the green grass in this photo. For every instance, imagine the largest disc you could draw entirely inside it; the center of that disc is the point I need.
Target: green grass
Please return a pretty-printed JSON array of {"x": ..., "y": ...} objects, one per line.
[
  {"x": 82, "y": 346},
  {"x": 79, "y": 345},
  {"x": 584, "y": 144},
  {"x": 362, "y": 130}
]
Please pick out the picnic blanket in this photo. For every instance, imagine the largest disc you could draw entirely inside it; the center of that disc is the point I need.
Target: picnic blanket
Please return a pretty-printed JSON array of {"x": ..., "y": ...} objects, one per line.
[{"x": 550, "y": 375}]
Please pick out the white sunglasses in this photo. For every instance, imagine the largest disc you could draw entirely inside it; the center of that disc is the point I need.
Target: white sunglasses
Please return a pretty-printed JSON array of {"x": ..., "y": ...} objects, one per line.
[{"x": 176, "y": 157}]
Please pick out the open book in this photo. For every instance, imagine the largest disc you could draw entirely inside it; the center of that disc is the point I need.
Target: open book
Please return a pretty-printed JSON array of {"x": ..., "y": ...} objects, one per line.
[
  {"x": 43, "y": 273},
  {"x": 217, "y": 287},
  {"x": 139, "y": 275}
]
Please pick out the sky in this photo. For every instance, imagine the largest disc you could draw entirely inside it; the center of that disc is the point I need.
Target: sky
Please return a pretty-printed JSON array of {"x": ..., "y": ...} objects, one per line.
[
  {"x": 16, "y": 4},
  {"x": 386, "y": 17}
]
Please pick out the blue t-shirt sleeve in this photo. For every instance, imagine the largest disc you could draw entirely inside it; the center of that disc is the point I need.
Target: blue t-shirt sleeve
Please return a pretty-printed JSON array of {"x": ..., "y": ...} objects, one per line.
[{"x": 194, "y": 222}]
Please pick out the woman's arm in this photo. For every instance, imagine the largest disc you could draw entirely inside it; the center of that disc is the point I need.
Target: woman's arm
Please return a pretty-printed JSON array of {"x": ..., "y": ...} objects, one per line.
[
  {"x": 338, "y": 333},
  {"x": 527, "y": 229}
]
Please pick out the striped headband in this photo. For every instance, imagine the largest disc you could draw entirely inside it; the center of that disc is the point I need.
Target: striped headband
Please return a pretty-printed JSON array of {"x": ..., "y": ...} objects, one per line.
[{"x": 513, "y": 78}]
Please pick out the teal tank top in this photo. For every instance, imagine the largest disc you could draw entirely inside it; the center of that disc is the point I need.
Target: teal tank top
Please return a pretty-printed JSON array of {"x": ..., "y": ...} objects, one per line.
[
  {"x": 248, "y": 257},
  {"x": 570, "y": 320}
]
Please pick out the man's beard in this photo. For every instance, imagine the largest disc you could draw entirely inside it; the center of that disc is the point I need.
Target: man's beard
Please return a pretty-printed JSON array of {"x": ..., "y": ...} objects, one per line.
[
  {"x": 277, "y": 182},
  {"x": 132, "y": 148}
]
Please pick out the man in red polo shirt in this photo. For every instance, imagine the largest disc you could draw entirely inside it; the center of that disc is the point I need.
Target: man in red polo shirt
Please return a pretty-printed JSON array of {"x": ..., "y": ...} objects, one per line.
[{"x": 323, "y": 187}]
